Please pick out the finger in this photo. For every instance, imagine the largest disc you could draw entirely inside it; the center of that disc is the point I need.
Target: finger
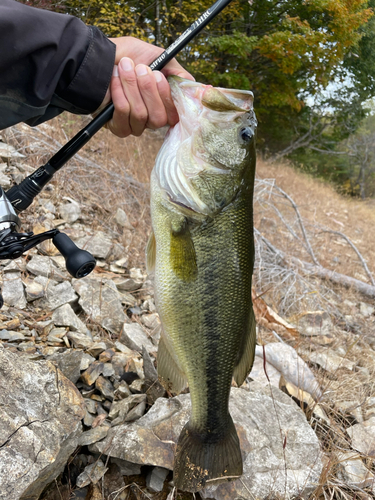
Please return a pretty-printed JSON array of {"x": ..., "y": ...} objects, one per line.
[
  {"x": 166, "y": 97},
  {"x": 138, "y": 111},
  {"x": 174, "y": 68},
  {"x": 148, "y": 87},
  {"x": 119, "y": 123}
]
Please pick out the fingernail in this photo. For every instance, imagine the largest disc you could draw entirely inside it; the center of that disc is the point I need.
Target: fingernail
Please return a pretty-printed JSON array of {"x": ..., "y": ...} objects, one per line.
[
  {"x": 115, "y": 70},
  {"x": 158, "y": 76},
  {"x": 141, "y": 70},
  {"x": 126, "y": 64}
]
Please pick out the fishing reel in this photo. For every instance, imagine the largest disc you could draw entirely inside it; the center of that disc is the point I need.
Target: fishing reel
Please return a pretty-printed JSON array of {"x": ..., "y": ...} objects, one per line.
[{"x": 13, "y": 244}]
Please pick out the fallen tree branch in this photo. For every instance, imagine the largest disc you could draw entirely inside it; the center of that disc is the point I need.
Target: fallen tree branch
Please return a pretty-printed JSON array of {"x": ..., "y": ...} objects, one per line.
[{"x": 321, "y": 272}]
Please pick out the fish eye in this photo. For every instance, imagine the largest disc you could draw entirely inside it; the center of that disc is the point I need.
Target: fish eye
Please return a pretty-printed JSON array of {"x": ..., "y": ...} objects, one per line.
[{"x": 246, "y": 134}]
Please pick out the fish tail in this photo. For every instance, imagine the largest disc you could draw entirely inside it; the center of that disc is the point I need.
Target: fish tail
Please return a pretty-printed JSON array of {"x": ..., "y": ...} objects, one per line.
[{"x": 202, "y": 458}]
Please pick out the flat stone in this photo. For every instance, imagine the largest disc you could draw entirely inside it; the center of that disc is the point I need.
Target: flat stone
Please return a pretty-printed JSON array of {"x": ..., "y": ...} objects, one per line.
[
  {"x": 352, "y": 470},
  {"x": 330, "y": 361},
  {"x": 90, "y": 375},
  {"x": 69, "y": 363},
  {"x": 70, "y": 212},
  {"x": 123, "y": 390},
  {"x": 152, "y": 321},
  {"x": 80, "y": 340},
  {"x": 41, "y": 265},
  {"x": 15, "y": 265},
  {"x": 108, "y": 370},
  {"x": 315, "y": 323},
  {"x": 155, "y": 479},
  {"x": 122, "y": 219},
  {"x": 57, "y": 296},
  {"x": 86, "y": 361},
  {"x": 367, "y": 310},
  {"x": 134, "y": 337},
  {"x": 11, "y": 336},
  {"x": 40, "y": 424},
  {"x": 127, "y": 284},
  {"x": 106, "y": 355},
  {"x": 101, "y": 301},
  {"x": 151, "y": 441},
  {"x": 93, "y": 435},
  {"x": 8, "y": 152},
  {"x": 13, "y": 291},
  {"x": 105, "y": 387},
  {"x": 65, "y": 316},
  {"x": 97, "y": 348},
  {"x": 126, "y": 468},
  {"x": 259, "y": 374},
  {"x": 92, "y": 474},
  {"x": 136, "y": 412},
  {"x": 120, "y": 409},
  {"x": 363, "y": 437},
  {"x": 99, "y": 245},
  {"x": 34, "y": 290}
]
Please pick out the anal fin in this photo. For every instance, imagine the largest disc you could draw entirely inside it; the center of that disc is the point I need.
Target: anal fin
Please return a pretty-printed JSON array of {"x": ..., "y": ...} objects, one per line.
[
  {"x": 246, "y": 352},
  {"x": 170, "y": 374}
]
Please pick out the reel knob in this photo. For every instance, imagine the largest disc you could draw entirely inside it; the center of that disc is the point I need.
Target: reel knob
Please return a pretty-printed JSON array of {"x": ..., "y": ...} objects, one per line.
[{"x": 79, "y": 263}]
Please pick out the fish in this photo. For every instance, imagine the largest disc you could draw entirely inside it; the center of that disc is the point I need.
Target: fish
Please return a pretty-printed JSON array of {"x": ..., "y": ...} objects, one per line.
[{"x": 201, "y": 251}]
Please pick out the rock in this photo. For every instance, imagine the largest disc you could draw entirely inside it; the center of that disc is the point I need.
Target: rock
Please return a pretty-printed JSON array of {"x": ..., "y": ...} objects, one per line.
[
  {"x": 90, "y": 375},
  {"x": 70, "y": 212},
  {"x": 152, "y": 321},
  {"x": 108, "y": 370},
  {"x": 92, "y": 474},
  {"x": 126, "y": 468},
  {"x": 40, "y": 424},
  {"x": 69, "y": 363},
  {"x": 41, "y": 265},
  {"x": 97, "y": 348},
  {"x": 17, "y": 265},
  {"x": 57, "y": 296},
  {"x": 122, "y": 219},
  {"x": 363, "y": 437},
  {"x": 123, "y": 390},
  {"x": 155, "y": 479},
  {"x": 152, "y": 386},
  {"x": 136, "y": 412},
  {"x": 8, "y": 152},
  {"x": 113, "y": 484},
  {"x": 257, "y": 373},
  {"x": 99, "y": 245},
  {"x": 367, "y": 310},
  {"x": 65, "y": 316},
  {"x": 353, "y": 472},
  {"x": 134, "y": 337},
  {"x": 106, "y": 355},
  {"x": 127, "y": 284},
  {"x": 93, "y": 435},
  {"x": 330, "y": 361},
  {"x": 81, "y": 341},
  {"x": 120, "y": 409},
  {"x": 315, "y": 323},
  {"x": 12, "y": 290},
  {"x": 11, "y": 336},
  {"x": 105, "y": 387},
  {"x": 285, "y": 359},
  {"x": 101, "y": 301},
  {"x": 34, "y": 290},
  {"x": 151, "y": 441}
]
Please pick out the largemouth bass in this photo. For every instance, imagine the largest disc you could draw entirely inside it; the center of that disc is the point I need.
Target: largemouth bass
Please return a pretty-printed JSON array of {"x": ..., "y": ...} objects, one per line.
[{"x": 202, "y": 252}]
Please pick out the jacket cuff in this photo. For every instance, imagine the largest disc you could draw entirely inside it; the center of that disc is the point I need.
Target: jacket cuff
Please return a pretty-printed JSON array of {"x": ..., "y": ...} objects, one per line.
[{"x": 87, "y": 90}]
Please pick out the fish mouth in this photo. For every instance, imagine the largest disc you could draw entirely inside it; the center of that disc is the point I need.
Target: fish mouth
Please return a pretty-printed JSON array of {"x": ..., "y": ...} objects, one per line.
[{"x": 192, "y": 99}]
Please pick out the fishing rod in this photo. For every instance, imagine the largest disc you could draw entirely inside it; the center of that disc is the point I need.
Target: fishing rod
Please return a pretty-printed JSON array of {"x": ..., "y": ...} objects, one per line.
[{"x": 79, "y": 263}]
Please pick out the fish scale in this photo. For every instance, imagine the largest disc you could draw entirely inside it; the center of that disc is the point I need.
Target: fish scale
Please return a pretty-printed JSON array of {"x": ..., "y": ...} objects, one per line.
[{"x": 203, "y": 266}]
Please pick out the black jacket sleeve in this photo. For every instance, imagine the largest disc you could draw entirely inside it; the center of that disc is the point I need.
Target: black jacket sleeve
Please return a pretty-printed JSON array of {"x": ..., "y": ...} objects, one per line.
[{"x": 49, "y": 63}]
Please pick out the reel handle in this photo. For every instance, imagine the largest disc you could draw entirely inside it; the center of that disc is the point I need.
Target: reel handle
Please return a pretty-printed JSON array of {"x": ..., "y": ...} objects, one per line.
[{"x": 79, "y": 263}]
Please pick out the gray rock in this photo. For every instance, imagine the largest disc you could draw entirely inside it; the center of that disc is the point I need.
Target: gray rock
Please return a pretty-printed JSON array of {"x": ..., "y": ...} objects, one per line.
[
  {"x": 40, "y": 424},
  {"x": 126, "y": 468},
  {"x": 34, "y": 290},
  {"x": 108, "y": 370},
  {"x": 352, "y": 470},
  {"x": 97, "y": 348},
  {"x": 69, "y": 363},
  {"x": 136, "y": 412},
  {"x": 90, "y": 375},
  {"x": 363, "y": 437},
  {"x": 81, "y": 341},
  {"x": 41, "y": 265},
  {"x": 57, "y": 296},
  {"x": 152, "y": 321},
  {"x": 13, "y": 291},
  {"x": 155, "y": 479},
  {"x": 101, "y": 301},
  {"x": 134, "y": 337},
  {"x": 330, "y": 361},
  {"x": 65, "y": 316},
  {"x": 257, "y": 373},
  {"x": 16, "y": 264},
  {"x": 105, "y": 387},
  {"x": 122, "y": 219},
  {"x": 120, "y": 409},
  {"x": 70, "y": 212},
  {"x": 11, "y": 336},
  {"x": 99, "y": 245},
  {"x": 367, "y": 310},
  {"x": 151, "y": 440},
  {"x": 93, "y": 435},
  {"x": 315, "y": 323},
  {"x": 92, "y": 474},
  {"x": 128, "y": 284},
  {"x": 8, "y": 152},
  {"x": 153, "y": 387}
]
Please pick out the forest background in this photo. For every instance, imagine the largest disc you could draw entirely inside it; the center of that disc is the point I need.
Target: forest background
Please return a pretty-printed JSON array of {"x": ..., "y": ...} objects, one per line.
[{"x": 310, "y": 64}]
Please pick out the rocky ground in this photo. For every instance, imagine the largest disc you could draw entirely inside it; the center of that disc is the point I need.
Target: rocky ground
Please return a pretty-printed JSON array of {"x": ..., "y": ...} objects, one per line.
[{"x": 83, "y": 415}]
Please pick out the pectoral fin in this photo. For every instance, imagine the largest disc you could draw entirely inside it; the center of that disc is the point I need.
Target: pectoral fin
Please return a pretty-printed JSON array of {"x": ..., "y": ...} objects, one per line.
[
  {"x": 151, "y": 253},
  {"x": 182, "y": 254},
  {"x": 170, "y": 374},
  {"x": 246, "y": 352}
]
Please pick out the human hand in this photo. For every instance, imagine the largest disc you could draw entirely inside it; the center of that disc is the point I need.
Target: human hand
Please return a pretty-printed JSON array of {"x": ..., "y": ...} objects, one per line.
[{"x": 142, "y": 98}]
